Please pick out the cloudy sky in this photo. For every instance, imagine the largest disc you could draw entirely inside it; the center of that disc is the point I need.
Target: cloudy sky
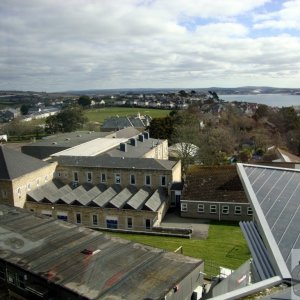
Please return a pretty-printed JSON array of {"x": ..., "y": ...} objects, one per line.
[{"x": 58, "y": 45}]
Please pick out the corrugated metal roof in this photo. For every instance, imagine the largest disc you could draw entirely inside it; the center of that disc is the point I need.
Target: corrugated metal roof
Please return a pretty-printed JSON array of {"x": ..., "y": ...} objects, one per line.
[
  {"x": 258, "y": 250},
  {"x": 52, "y": 249}
]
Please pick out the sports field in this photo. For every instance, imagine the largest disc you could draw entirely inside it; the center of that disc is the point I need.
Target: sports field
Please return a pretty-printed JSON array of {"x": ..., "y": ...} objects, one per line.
[{"x": 100, "y": 114}]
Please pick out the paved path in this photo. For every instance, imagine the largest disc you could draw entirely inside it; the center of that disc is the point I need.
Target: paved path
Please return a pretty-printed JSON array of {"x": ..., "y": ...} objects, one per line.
[{"x": 200, "y": 227}]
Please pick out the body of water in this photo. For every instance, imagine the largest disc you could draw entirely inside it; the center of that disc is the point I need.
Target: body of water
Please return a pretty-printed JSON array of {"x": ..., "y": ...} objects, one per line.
[{"x": 278, "y": 100}]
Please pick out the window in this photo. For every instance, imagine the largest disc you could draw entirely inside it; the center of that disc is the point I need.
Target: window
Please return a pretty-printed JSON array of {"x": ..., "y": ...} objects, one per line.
[
  {"x": 200, "y": 208},
  {"x": 2, "y": 272},
  {"x": 249, "y": 211},
  {"x": 28, "y": 187},
  {"x": 163, "y": 180},
  {"x": 225, "y": 209},
  {"x": 95, "y": 219},
  {"x": 129, "y": 222},
  {"x": 89, "y": 177},
  {"x": 132, "y": 179},
  {"x": 19, "y": 191},
  {"x": 20, "y": 281},
  {"x": 112, "y": 223},
  {"x": 213, "y": 209},
  {"x": 184, "y": 207},
  {"x": 103, "y": 177},
  {"x": 148, "y": 223},
  {"x": 58, "y": 174},
  {"x": 237, "y": 210},
  {"x": 11, "y": 277},
  {"x": 38, "y": 182},
  {"x": 62, "y": 216},
  {"x": 75, "y": 176},
  {"x": 78, "y": 218},
  {"x": 117, "y": 179},
  {"x": 47, "y": 213},
  {"x": 4, "y": 193},
  {"x": 147, "y": 179}
]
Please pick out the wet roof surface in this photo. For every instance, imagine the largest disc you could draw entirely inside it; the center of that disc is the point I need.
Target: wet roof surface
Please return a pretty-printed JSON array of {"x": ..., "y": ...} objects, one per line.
[{"x": 120, "y": 268}]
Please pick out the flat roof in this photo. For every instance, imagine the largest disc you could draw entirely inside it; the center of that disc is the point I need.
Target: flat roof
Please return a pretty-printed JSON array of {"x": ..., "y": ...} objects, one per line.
[
  {"x": 113, "y": 269},
  {"x": 91, "y": 148}
]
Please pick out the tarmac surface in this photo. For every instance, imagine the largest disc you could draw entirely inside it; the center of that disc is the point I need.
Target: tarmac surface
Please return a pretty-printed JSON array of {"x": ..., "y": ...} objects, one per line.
[{"x": 173, "y": 220}]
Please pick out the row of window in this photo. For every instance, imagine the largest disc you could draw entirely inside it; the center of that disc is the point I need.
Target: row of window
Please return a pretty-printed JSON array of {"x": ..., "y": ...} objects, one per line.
[
  {"x": 117, "y": 178},
  {"x": 29, "y": 185},
  {"x": 213, "y": 209},
  {"x": 111, "y": 222}
]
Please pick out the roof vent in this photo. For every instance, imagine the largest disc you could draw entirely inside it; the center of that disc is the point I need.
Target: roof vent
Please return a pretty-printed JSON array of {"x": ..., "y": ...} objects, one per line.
[
  {"x": 146, "y": 135},
  {"x": 123, "y": 147},
  {"x": 54, "y": 143},
  {"x": 141, "y": 138},
  {"x": 78, "y": 135},
  {"x": 67, "y": 139},
  {"x": 90, "y": 252},
  {"x": 133, "y": 142}
]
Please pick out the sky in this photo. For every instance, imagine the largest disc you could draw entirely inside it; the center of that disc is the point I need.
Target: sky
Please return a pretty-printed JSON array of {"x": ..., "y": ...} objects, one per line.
[{"x": 61, "y": 45}]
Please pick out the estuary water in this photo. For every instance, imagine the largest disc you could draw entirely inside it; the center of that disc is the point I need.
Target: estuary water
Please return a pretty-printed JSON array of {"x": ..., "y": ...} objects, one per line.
[{"x": 278, "y": 100}]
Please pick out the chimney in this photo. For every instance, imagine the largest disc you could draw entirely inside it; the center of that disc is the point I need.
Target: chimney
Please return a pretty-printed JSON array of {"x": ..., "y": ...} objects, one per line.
[
  {"x": 123, "y": 147},
  {"x": 146, "y": 135},
  {"x": 141, "y": 138},
  {"x": 133, "y": 142}
]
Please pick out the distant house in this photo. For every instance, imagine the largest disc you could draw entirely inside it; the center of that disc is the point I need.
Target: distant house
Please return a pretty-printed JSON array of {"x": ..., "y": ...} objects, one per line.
[
  {"x": 215, "y": 193},
  {"x": 139, "y": 122},
  {"x": 7, "y": 115}
]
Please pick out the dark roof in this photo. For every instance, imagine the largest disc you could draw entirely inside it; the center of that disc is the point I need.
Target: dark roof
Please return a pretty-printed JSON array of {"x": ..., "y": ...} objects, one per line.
[
  {"x": 105, "y": 161},
  {"x": 214, "y": 184},
  {"x": 126, "y": 121},
  {"x": 89, "y": 263},
  {"x": 274, "y": 194},
  {"x": 114, "y": 196},
  {"x": 14, "y": 164}
]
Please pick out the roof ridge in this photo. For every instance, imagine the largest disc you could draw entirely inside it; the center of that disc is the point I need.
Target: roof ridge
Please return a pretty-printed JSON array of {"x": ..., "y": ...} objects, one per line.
[{"x": 3, "y": 160}]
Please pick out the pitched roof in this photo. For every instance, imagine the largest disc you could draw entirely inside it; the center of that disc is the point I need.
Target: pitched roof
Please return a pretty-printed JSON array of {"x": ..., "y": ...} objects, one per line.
[
  {"x": 55, "y": 251},
  {"x": 105, "y": 161},
  {"x": 214, "y": 184},
  {"x": 114, "y": 196},
  {"x": 14, "y": 164}
]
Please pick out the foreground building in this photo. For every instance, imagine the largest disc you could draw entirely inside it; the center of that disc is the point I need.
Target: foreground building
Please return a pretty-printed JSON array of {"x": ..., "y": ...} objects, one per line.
[
  {"x": 272, "y": 236},
  {"x": 44, "y": 258}
]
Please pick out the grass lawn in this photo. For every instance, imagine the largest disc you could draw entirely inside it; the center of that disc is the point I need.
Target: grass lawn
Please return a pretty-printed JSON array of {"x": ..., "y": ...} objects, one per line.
[
  {"x": 225, "y": 246},
  {"x": 100, "y": 114}
]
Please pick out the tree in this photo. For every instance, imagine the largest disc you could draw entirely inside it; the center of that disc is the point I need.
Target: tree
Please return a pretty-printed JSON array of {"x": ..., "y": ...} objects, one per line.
[
  {"x": 84, "y": 101},
  {"x": 214, "y": 145},
  {"x": 24, "y": 109},
  {"x": 67, "y": 120},
  {"x": 161, "y": 128},
  {"x": 261, "y": 112}
]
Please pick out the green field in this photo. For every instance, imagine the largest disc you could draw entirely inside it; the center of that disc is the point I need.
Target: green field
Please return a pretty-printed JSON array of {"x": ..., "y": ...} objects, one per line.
[
  {"x": 225, "y": 246},
  {"x": 100, "y": 114}
]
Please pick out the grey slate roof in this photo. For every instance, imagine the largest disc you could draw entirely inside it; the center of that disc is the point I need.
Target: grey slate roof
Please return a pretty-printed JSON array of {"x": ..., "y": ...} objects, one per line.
[
  {"x": 14, "y": 164},
  {"x": 119, "y": 270},
  {"x": 105, "y": 161},
  {"x": 55, "y": 143},
  {"x": 100, "y": 196}
]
